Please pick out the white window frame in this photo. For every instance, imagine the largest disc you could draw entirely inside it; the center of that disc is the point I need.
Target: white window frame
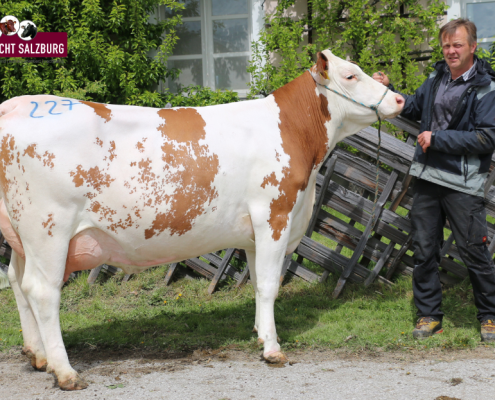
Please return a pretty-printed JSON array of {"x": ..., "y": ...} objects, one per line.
[
  {"x": 458, "y": 9},
  {"x": 255, "y": 17}
]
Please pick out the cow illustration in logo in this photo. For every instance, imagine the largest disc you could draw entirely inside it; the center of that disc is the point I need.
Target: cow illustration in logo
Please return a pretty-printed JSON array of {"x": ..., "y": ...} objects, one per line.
[
  {"x": 9, "y": 25},
  {"x": 28, "y": 30}
]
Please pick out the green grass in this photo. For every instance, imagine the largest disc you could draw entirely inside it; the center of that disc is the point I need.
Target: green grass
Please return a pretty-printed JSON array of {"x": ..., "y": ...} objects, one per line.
[{"x": 145, "y": 313}]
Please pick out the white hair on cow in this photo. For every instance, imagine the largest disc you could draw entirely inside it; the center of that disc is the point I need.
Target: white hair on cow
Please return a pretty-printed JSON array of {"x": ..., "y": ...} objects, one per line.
[{"x": 4, "y": 279}]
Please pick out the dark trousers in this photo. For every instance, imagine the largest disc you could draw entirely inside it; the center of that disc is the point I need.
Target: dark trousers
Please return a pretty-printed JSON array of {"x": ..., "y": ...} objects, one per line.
[{"x": 467, "y": 217}]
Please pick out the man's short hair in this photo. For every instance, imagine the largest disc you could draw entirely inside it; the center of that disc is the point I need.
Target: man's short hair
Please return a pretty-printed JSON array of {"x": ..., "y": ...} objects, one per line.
[{"x": 450, "y": 27}]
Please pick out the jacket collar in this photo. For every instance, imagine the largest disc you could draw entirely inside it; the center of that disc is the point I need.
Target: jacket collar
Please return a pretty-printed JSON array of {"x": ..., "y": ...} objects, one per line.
[{"x": 484, "y": 72}]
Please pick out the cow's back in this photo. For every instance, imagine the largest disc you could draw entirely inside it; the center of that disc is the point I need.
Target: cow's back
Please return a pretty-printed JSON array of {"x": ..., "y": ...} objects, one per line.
[{"x": 152, "y": 180}]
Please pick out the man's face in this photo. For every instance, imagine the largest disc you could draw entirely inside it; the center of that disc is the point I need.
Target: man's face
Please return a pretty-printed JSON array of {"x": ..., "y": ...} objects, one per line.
[{"x": 457, "y": 51}]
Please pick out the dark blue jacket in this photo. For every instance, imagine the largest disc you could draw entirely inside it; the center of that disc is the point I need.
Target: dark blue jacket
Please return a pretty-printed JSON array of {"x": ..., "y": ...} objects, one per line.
[{"x": 459, "y": 156}]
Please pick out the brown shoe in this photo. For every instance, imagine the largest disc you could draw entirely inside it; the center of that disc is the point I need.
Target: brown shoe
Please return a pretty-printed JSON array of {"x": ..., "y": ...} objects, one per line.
[
  {"x": 488, "y": 330},
  {"x": 426, "y": 327}
]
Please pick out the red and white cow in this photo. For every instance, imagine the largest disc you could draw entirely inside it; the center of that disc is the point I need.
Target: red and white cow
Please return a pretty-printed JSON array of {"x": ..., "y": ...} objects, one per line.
[{"x": 85, "y": 184}]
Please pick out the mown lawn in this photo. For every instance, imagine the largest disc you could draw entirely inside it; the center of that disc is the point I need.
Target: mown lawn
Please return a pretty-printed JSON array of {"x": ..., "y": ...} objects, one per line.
[{"x": 145, "y": 313}]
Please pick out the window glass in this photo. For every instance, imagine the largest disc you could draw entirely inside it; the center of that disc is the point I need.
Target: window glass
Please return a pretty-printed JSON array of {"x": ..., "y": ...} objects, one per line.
[
  {"x": 189, "y": 39},
  {"x": 483, "y": 15},
  {"x": 230, "y": 35},
  {"x": 229, "y": 7},
  {"x": 230, "y": 73},
  {"x": 192, "y": 9},
  {"x": 192, "y": 73}
]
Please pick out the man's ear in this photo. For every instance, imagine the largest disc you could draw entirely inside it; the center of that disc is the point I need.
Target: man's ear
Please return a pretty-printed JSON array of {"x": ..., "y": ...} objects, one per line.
[{"x": 322, "y": 65}]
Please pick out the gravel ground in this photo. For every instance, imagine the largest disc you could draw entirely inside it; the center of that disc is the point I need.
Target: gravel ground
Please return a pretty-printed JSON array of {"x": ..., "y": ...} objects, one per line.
[{"x": 231, "y": 374}]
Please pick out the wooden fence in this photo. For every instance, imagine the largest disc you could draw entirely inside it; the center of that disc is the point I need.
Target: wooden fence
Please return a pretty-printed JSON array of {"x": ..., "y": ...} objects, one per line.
[
  {"x": 375, "y": 252},
  {"x": 342, "y": 238}
]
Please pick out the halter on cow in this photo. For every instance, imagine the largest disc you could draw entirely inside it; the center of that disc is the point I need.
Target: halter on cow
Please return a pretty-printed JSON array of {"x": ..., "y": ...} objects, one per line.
[{"x": 85, "y": 184}]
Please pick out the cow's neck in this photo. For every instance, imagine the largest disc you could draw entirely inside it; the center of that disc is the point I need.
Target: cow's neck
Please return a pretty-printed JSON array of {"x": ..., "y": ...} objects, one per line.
[{"x": 304, "y": 124}]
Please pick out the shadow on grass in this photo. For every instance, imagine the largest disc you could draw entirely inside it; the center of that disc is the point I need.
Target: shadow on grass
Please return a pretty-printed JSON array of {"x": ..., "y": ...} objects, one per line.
[{"x": 304, "y": 313}]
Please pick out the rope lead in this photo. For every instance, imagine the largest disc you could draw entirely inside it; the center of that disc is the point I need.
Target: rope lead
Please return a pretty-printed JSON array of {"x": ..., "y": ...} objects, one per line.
[{"x": 373, "y": 107}]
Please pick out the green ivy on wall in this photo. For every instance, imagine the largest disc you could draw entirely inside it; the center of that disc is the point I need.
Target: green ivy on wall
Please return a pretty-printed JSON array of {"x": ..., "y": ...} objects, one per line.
[
  {"x": 109, "y": 47},
  {"x": 386, "y": 35}
]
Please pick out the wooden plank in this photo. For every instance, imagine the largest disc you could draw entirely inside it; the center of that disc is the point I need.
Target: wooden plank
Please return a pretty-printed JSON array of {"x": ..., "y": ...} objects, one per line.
[
  {"x": 302, "y": 272},
  {"x": 358, "y": 208},
  {"x": 398, "y": 257},
  {"x": 94, "y": 274},
  {"x": 201, "y": 267},
  {"x": 411, "y": 127},
  {"x": 379, "y": 265},
  {"x": 244, "y": 277},
  {"x": 170, "y": 273},
  {"x": 330, "y": 166},
  {"x": 364, "y": 238},
  {"x": 221, "y": 269}
]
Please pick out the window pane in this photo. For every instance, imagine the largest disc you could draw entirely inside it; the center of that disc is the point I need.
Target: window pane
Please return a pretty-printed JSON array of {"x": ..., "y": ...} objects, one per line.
[
  {"x": 191, "y": 73},
  {"x": 192, "y": 9},
  {"x": 483, "y": 15},
  {"x": 189, "y": 39},
  {"x": 230, "y": 72},
  {"x": 229, "y": 7},
  {"x": 230, "y": 35}
]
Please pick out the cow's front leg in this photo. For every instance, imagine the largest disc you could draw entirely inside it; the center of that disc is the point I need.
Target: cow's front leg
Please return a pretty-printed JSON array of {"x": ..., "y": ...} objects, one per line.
[
  {"x": 269, "y": 259},
  {"x": 251, "y": 259},
  {"x": 41, "y": 286},
  {"x": 33, "y": 345}
]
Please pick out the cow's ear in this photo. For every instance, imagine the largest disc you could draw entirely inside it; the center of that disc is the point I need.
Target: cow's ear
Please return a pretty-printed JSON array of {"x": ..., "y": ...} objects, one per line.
[{"x": 322, "y": 65}]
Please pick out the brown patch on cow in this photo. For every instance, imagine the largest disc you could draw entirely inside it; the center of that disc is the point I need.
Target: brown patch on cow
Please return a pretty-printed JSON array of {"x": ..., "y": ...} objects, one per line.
[
  {"x": 47, "y": 158},
  {"x": 111, "y": 150},
  {"x": 140, "y": 146},
  {"x": 93, "y": 177},
  {"x": 49, "y": 224},
  {"x": 270, "y": 179},
  {"x": 127, "y": 223},
  {"x": 99, "y": 142},
  {"x": 105, "y": 213},
  {"x": 277, "y": 156},
  {"x": 304, "y": 140},
  {"x": 90, "y": 195},
  {"x": 133, "y": 163},
  {"x": 7, "y": 155},
  {"x": 195, "y": 170},
  {"x": 100, "y": 109}
]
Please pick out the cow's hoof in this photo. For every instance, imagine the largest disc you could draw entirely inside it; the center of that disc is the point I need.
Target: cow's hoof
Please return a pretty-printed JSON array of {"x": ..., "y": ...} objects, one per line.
[
  {"x": 76, "y": 383},
  {"x": 38, "y": 365},
  {"x": 276, "y": 358}
]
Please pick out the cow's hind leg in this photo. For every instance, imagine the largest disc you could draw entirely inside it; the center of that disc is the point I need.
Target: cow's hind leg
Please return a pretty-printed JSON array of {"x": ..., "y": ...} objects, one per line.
[
  {"x": 33, "y": 345},
  {"x": 41, "y": 285}
]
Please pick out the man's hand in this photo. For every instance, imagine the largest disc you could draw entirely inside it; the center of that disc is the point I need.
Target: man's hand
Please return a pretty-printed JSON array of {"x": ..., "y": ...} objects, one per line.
[
  {"x": 424, "y": 140},
  {"x": 381, "y": 77}
]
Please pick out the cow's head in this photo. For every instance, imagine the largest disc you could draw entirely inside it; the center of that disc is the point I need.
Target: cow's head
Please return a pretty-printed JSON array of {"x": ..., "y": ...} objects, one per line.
[{"x": 336, "y": 75}]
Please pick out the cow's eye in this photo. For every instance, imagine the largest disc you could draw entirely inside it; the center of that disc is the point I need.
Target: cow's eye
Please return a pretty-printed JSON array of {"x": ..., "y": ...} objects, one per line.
[{"x": 349, "y": 77}]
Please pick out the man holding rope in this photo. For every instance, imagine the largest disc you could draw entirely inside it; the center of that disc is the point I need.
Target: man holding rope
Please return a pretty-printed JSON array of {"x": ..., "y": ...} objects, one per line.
[{"x": 456, "y": 106}]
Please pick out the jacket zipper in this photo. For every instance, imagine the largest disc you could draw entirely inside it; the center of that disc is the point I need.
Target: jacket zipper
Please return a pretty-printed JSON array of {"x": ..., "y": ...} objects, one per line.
[
  {"x": 457, "y": 116},
  {"x": 436, "y": 84}
]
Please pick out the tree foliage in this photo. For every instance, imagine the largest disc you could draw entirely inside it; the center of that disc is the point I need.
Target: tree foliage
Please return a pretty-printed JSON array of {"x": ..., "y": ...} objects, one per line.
[
  {"x": 386, "y": 35},
  {"x": 109, "y": 47}
]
